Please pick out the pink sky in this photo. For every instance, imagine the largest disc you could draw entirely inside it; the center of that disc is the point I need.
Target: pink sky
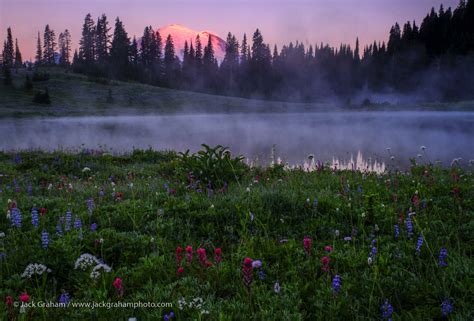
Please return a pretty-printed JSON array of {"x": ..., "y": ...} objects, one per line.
[{"x": 309, "y": 21}]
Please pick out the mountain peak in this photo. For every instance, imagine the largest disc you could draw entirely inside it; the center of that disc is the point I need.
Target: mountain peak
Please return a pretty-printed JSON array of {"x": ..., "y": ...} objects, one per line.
[{"x": 180, "y": 33}]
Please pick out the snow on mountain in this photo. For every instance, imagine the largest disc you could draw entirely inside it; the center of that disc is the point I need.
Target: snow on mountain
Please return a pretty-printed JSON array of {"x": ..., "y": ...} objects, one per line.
[{"x": 180, "y": 34}]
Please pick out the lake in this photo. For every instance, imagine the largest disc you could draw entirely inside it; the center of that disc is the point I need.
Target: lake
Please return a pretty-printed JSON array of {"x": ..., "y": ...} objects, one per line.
[{"x": 446, "y": 135}]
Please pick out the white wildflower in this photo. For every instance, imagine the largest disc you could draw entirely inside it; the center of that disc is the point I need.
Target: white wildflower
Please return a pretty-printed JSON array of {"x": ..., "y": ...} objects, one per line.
[
  {"x": 276, "y": 287},
  {"x": 2, "y": 234},
  {"x": 86, "y": 260},
  {"x": 86, "y": 169},
  {"x": 95, "y": 274},
  {"x": 34, "y": 268}
]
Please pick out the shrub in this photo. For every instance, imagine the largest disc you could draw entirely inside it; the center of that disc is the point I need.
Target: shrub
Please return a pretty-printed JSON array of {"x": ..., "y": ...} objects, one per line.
[
  {"x": 40, "y": 76},
  {"x": 28, "y": 83},
  {"x": 42, "y": 97},
  {"x": 210, "y": 167}
]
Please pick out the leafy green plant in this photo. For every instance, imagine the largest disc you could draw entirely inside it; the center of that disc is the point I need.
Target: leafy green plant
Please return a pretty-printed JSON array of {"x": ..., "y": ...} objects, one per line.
[{"x": 214, "y": 167}]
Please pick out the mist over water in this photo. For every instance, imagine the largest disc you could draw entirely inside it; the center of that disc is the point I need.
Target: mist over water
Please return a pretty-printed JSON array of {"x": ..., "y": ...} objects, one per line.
[{"x": 446, "y": 135}]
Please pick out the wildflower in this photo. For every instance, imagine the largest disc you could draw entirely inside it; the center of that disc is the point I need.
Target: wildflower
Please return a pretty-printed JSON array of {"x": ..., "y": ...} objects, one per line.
[
  {"x": 218, "y": 255},
  {"x": 24, "y": 297},
  {"x": 396, "y": 230},
  {"x": 9, "y": 301},
  {"x": 315, "y": 202},
  {"x": 276, "y": 287},
  {"x": 325, "y": 262},
  {"x": 446, "y": 307},
  {"x": 247, "y": 272},
  {"x": 59, "y": 229},
  {"x": 85, "y": 260},
  {"x": 34, "y": 269},
  {"x": 336, "y": 232},
  {"x": 336, "y": 284},
  {"x": 202, "y": 256},
  {"x": 94, "y": 227},
  {"x": 44, "y": 239},
  {"x": 180, "y": 271},
  {"x": 369, "y": 260},
  {"x": 307, "y": 241},
  {"x": 189, "y": 254},
  {"x": 443, "y": 253},
  {"x": 419, "y": 244},
  {"x": 328, "y": 248},
  {"x": 68, "y": 220},
  {"x": 90, "y": 205},
  {"x": 261, "y": 275},
  {"x": 95, "y": 274},
  {"x": 34, "y": 217},
  {"x": 43, "y": 211},
  {"x": 387, "y": 310},
  {"x": 117, "y": 284},
  {"x": 256, "y": 264},
  {"x": 347, "y": 238},
  {"x": 179, "y": 255},
  {"x": 77, "y": 223},
  {"x": 16, "y": 217},
  {"x": 64, "y": 298},
  {"x": 409, "y": 228}
]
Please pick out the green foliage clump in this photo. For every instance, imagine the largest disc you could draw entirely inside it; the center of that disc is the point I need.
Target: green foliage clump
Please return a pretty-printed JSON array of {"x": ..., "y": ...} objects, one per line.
[{"x": 211, "y": 166}]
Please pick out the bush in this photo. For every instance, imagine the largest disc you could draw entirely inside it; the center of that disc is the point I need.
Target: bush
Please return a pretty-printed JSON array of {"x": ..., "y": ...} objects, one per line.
[
  {"x": 42, "y": 97},
  {"x": 28, "y": 83},
  {"x": 210, "y": 167},
  {"x": 40, "y": 76}
]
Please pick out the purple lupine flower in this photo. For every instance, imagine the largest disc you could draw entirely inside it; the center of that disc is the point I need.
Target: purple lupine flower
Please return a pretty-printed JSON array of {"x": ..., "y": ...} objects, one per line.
[
  {"x": 59, "y": 228},
  {"x": 336, "y": 284},
  {"x": 446, "y": 307},
  {"x": 94, "y": 227},
  {"x": 90, "y": 205},
  {"x": 419, "y": 244},
  {"x": 315, "y": 202},
  {"x": 77, "y": 223},
  {"x": 64, "y": 298},
  {"x": 261, "y": 275},
  {"x": 409, "y": 228},
  {"x": 396, "y": 231},
  {"x": 68, "y": 220},
  {"x": 101, "y": 193},
  {"x": 29, "y": 190},
  {"x": 443, "y": 253},
  {"x": 387, "y": 310},
  {"x": 45, "y": 239},
  {"x": 34, "y": 217},
  {"x": 16, "y": 217}
]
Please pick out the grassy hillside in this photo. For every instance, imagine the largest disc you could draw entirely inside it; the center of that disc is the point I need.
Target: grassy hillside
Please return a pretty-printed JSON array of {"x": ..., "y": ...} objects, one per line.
[
  {"x": 74, "y": 94},
  {"x": 326, "y": 245}
]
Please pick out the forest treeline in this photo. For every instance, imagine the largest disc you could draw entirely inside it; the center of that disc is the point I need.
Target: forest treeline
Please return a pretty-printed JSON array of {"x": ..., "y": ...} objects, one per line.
[{"x": 435, "y": 59}]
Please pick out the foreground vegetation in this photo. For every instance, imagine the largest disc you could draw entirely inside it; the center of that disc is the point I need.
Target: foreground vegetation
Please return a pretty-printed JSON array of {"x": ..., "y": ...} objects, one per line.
[{"x": 266, "y": 244}]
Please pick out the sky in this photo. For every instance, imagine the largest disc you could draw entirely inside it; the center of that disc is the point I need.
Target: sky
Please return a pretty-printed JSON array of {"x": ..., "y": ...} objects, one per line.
[{"x": 308, "y": 21}]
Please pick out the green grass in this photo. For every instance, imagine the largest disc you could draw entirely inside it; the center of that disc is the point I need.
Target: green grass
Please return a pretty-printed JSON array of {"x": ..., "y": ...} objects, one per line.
[
  {"x": 264, "y": 214},
  {"x": 75, "y": 95}
]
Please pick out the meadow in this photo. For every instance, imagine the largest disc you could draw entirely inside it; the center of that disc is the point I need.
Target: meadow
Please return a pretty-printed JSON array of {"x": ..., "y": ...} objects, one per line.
[{"x": 220, "y": 240}]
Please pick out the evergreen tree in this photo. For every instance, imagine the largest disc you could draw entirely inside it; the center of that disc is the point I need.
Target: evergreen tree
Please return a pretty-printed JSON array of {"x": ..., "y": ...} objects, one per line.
[
  {"x": 87, "y": 43},
  {"x": 64, "y": 41},
  {"x": 209, "y": 66},
  {"x": 198, "y": 55},
  {"x": 171, "y": 64},
  {"x": 230, "y": 64},
  {"x": 102, "y": 39},
  {"x": 120, "y": 49},
  {"x": 49, "y": 46},
  {"x": 8, "y": 52},
  {"x": 18, "y": 58},
  {"x": 39, "y": 52}
]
